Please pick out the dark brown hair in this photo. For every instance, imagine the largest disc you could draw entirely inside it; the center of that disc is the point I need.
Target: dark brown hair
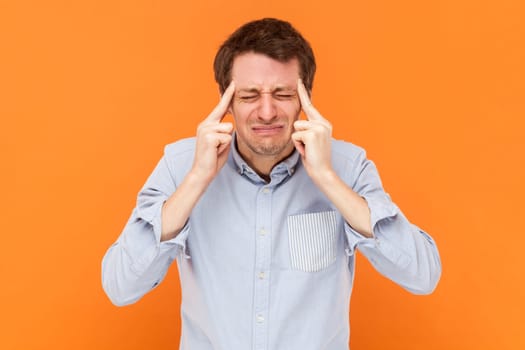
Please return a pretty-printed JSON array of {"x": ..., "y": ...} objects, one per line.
[{"x": 272, "y": 37}]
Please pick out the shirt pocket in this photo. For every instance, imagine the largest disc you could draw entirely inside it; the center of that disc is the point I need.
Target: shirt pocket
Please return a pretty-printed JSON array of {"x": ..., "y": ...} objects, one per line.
[{"x": 312, "y": 240}]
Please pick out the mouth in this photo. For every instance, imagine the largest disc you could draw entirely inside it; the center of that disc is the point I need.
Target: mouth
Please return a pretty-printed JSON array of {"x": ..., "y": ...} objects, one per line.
[{"x": 267, "y": 130}]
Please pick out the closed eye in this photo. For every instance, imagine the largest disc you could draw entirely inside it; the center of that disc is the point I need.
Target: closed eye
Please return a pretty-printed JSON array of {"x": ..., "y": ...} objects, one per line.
[
  {"x": 284, "y": 96},
  {"x": 248, "y": 98},
  {"x": 252, "y": 95}
]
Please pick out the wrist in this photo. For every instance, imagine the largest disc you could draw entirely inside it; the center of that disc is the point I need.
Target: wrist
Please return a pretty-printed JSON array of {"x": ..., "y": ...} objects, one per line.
[
  {"x": 198, "y": 178},
  {"x": 177, "y": 208},
  {"x": 324, "y": 177}
]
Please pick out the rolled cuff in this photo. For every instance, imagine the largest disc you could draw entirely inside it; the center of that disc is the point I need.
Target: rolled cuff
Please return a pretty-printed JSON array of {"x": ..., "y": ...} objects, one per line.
[
  {"x": 386, "y": 219},
  {"x": 380, "y": 209},
  {"x": 179, "y": 241}
]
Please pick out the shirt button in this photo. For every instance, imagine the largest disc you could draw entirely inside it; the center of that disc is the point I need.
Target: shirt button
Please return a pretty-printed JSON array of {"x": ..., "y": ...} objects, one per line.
[
  {"x": 261, "y": 275},
  {"x": 266, "y": 190},
  {"x": 260, "y": 318},
  {"x": 262, "y": 232}
]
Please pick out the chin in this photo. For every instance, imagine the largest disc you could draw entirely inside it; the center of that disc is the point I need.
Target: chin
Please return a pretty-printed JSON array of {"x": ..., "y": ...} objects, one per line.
[{"x": 272, "y": 148}]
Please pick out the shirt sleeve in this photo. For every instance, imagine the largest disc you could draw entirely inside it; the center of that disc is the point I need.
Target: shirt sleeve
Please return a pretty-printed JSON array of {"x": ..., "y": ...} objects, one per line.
[
  {"x": 138, "y": 261},
  {"x": 398, "y": 249}
]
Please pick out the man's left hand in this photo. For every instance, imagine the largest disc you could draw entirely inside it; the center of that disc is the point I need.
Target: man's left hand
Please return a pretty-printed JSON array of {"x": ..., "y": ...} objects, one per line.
[{"x": 312, "y": 138}]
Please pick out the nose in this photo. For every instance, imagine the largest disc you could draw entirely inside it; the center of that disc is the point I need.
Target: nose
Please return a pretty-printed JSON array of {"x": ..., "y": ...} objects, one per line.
[{"x": 266, "y": 110}]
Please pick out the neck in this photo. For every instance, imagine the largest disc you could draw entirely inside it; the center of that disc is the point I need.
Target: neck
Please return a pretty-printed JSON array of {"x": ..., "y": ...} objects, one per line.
[{"x": 263, "y": 164}]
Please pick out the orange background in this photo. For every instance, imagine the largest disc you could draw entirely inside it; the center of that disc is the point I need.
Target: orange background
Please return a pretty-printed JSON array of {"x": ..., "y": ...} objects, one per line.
[{"x": 91, "y": 91}]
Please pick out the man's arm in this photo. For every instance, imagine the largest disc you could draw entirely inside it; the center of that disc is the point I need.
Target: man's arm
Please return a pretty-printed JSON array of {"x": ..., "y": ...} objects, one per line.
[
  {"x": 395, "y": 247},
  {"x": 156, "y": 232},
  {"x": 211, "y": 152},
  {"x": 313, "y": 138}
]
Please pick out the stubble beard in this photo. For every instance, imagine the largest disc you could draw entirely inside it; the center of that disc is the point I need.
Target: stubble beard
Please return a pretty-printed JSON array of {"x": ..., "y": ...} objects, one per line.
[{"x": 269, "y": 150}]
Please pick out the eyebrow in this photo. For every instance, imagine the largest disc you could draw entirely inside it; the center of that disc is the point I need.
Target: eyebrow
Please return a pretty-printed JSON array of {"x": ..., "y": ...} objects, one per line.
[{"x": 276, "y": 89}]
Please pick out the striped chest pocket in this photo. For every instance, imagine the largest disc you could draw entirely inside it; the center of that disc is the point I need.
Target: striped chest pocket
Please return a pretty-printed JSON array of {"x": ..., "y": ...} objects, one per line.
[{"x": 312, "y": 240}]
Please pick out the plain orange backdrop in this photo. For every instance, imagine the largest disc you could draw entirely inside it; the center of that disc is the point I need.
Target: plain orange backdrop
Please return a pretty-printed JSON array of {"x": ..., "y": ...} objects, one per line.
[{"x": 91, "y": 91}]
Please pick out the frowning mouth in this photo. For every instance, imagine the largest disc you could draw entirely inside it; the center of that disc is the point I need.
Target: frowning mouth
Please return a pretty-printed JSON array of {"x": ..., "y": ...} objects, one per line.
[{"x": 267, "y": 130}]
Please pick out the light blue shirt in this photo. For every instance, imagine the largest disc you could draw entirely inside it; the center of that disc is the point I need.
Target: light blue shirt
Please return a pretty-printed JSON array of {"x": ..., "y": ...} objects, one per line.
[{"x": 265, "y": 265}]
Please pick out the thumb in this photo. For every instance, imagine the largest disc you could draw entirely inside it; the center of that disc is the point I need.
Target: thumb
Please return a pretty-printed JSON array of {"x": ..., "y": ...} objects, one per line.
[{"x": 299, "y": 146}]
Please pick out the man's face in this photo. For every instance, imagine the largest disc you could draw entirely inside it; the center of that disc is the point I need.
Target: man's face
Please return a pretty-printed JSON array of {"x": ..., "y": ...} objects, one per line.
[{"x": 265, "y": 105}]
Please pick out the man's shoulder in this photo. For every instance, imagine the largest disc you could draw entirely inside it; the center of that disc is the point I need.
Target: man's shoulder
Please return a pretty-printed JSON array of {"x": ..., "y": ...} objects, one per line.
[
  {"x": 182, "y": 147},
  {"x": 347, "y": 150},
  {"x": 348, "y": 160}
]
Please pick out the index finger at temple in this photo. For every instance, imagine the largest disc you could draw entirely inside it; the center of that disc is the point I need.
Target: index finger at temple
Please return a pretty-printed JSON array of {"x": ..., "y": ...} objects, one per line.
[
  {"x": 220, "y": 110},
  {"x": 306, "y": 103}
]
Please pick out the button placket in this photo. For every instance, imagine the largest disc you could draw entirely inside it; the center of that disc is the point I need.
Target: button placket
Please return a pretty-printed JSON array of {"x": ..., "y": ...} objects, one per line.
[{"x": 262, "y": 267}]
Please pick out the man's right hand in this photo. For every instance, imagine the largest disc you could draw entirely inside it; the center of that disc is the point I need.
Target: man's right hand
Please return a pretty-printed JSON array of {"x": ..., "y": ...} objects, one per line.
[
  {"x": 211, "y": 152},
  {"x": 213, "y": 140}
]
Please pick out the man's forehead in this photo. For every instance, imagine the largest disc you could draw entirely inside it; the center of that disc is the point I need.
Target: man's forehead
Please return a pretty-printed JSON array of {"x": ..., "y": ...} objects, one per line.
[
  {"x": 255, "y": 57},
  {"x": 252, "y": 70}
]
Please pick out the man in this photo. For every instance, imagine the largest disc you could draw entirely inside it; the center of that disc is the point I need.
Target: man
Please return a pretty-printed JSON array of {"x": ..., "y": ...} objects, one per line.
[{"x": 264, "y": 221}]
